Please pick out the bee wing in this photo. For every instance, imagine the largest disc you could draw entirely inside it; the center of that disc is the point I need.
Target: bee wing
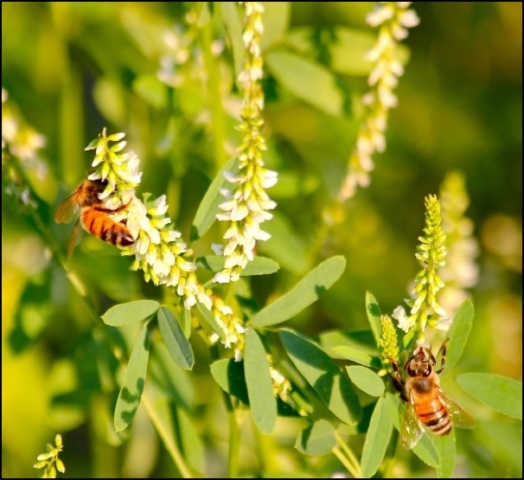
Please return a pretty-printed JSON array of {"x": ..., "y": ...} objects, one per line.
[
  {"x": 411, "y": 430},
  {"x": 76, "y": 234},
  {"x": 459, "y": 417},
  {"x": 67, "y": 210}
]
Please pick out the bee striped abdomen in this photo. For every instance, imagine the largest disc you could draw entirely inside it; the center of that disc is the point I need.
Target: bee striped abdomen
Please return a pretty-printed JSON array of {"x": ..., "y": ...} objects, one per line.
[
  {"x": 105, "y": 228},
  {"x": 434, "y": 415}
]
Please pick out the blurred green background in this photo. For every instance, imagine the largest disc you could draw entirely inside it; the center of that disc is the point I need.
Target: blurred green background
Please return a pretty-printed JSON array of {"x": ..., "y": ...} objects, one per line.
[{"x": 73, "y": 68}]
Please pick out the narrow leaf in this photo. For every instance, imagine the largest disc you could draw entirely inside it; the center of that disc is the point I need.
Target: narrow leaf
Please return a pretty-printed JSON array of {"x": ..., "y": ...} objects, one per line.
[
  {"x": 316, "y": 439},
  {"x": 500, "y": 393},
  {"x": 447, "y": 451},
  {"x": 373, "y": 313},
  {"x": 367, "y": 380},
  {"x": 260, "y": 390},
  {"x": 307, "y": 80},
  {"x": 303, "y": 294},
  {"x": 208, "y": 208},
  {"x": 131, "y": 391},
  {"x": 186, "y": 322},
  {"x": 210, "y": 320},
  {"x": 258, "y": 266},
  {"x": 231, "y": 378},
  {"x": 359, "y": 339},
  {"x": 458, "y": 335},
  {"x": 129, "y": 312},
  {"x": 424, "y": 449},
  {"x": 276, "y": 19},
  {"x": 233, "y": 24},
  {"x": 160, "y": 411},
  {"x": 377, "y": 439},
  {"x": 358, "y": 356},
  {"x": 177, "y": 344},
  {"x": 170, "y": 378},
  {"x": 323, "y": 374}
]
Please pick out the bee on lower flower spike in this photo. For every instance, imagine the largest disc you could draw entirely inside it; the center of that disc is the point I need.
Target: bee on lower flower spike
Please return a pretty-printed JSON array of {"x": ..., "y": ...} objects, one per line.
[
  {"x": 427, "y": 405},
  {"x": 94, "y": 217}
]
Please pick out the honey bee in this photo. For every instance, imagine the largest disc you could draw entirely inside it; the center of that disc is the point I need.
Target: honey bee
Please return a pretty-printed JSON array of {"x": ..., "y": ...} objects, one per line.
[
  {"x": 427, "y": 405},
  {"x": 94, "y": 217}
]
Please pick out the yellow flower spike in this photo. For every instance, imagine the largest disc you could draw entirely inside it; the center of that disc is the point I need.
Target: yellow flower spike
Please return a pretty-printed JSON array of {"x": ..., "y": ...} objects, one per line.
[{"x": 389, "y": 341}]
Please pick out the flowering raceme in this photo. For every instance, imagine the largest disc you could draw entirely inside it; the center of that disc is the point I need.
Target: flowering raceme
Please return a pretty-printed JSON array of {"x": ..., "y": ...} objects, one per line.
[
  {"x": 393, "y": 18},
  {"x": 158, "y": 248},
  {"x": 431, "y": 253},
  {"x": 247, "y": 204}
]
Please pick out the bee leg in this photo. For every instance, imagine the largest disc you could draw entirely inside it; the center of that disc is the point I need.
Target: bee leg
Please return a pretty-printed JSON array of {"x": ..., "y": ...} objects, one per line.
[
  {"x": 442, "y": 352},
  {"x": 397, "y": 380},
  {"x": 109, "y": 210}
]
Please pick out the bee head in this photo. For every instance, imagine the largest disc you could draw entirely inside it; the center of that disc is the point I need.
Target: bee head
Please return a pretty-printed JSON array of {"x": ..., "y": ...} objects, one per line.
[{"x": 421, "y": 363}]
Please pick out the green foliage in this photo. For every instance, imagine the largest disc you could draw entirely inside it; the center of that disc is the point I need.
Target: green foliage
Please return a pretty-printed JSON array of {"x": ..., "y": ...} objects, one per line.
[
  {"x": 377, "y": 438},
  {"x": 258, "y": 379},
  {"x": 134, "y": 382},
  {"x": 177, "y": 344},
  {"x": 83, "y": 333},
  {"x": 303, "y": 294},
  {"x": 367, "y": 380},
  {"x": 126, "y": 313},
  {"x": 316, "y": 439},
  {"x": 323, "y": 375},
  {"x": 208, "y": 208},
  {"x": 500, "y": 393}
]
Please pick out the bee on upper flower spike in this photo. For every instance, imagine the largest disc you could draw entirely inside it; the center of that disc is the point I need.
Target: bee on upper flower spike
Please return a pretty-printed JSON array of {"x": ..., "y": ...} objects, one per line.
[{"x": 94, "y": 217}]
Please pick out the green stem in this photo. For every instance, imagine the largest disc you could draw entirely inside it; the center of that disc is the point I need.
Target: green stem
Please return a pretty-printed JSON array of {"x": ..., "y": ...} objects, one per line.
[
  {"x": 391, "y": 455},
  {"x": 234, "y": 430},
  {"x": 214, "y": 95},
  {"x": 352, "y": 463},
  {"x": 234, "y": 437}
]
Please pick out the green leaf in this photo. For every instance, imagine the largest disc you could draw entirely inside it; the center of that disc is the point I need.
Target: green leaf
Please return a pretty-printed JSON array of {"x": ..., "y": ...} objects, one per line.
[
  {"x": 361, "y": 339},
  {"x": 447, "y": 451},
  {"x": 316, "y": 439},
  {"x": 295, "y": 184},
  {"x": 126, "y": 313},
  {"x": 323, "y": 374},
  {"x": 186, "y": 322},
  {"x": 233, "y": 23},
  {"x": 500, "y": 393},
  {"x": 192, "y": 441},
  {"x": 259, "y": 387},
  {"x": 424, "y": 449},
  {"x": 458, "y": 335},
  {"x": 303, "y": 294},
  {"x": 307, "y": 80},
  {"x": 208, "y": 208},
  {"x": 358, "y": 356},
  {"x": 373, "y": 313},
  {"x": 276, "y": 20},
  {"x": 210, "y": 320},
  {"x": 358, "y": 346},
  {"x": 34, "y": 312},
  {"x": 347, "y": 52},
  {"x": 367, "y": 380},
  {"x": 161, "y": 413},
  {"x": 230, "y": 377},
  {"x": 377, "y": 438},
  {"x": 258, "y": 266},
  {"x": 152, "y": 90},
  {"x": 131, "y": 391},
  {"x": 177, "y": 344},
  {"x": 170, "y": 378}
]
